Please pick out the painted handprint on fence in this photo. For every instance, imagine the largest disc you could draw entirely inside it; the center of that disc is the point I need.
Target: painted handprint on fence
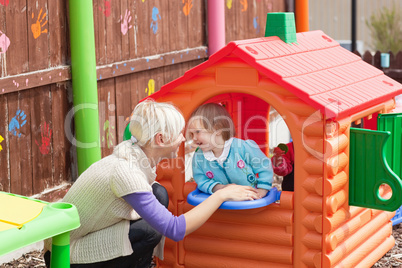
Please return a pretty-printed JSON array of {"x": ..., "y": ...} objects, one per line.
[
  {"x": 124, "y": 22},
  {"x": 229, "y": 3},
  {"x": 1, "y": 140},
  {"x": 17, "y": 122},
  {"x": 256, "y": 25},
  {"x": 36, "y": 28},
  {"x": 269, "y": 6},
  {"x": 4, "y": 2},
  {"x": 46, "y": 134},
  {"x": 108, "y": 8},
  {"x": 151, "y": 87},
  {"x": 4, "y": 42},
  {"x": 155, "y": 17},
  {"x": 244, "y": 5},
  {"x": 188, "y": 4},
  {"x": 108, "y": 133}
]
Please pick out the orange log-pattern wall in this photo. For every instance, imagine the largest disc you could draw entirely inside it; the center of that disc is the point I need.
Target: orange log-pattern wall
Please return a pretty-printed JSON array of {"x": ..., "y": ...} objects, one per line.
[{"x": 352, "y": 235}]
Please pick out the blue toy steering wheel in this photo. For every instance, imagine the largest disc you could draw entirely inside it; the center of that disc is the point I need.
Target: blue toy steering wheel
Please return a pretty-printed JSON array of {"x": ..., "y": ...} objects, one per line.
[{"x": 196, "y": 197}]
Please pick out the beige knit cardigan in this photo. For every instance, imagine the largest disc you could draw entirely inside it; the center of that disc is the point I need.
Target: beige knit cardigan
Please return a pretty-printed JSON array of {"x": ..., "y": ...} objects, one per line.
[{"x": 104, "y": 215}]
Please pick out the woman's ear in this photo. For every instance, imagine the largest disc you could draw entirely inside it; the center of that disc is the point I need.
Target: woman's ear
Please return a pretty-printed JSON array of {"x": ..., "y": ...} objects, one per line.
[{"x": 159, "y": 140}]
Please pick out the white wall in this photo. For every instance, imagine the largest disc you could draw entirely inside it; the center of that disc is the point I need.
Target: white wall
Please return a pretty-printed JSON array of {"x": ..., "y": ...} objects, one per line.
[{"x": 334, "y": 17}]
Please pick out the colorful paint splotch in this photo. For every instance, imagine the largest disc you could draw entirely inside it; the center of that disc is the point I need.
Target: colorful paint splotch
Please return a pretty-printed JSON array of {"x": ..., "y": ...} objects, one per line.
[
  {"x": 4, "y": 2},
  {"x": 229, "y": 3},
  {"x": 108, "y": 133},
  {"x": 125, "y": 22},
  {"x": 46, "y": 134},
  {"x": 244, "y": 5},
  {"x": 1, "y": 140},
  {"x": 270, "y": 6},
  {"x": 188, "y": 5},
  {"x": 107, "y": 10},
  {"x": 36, "y": 27},
  {"x": 155, "y": 17},
  {"x": 18, "y": 121},
  {"x": 256, "y": 25},
  {"x": 4, "y": 42},
  {"x": 151, "y": 87}
]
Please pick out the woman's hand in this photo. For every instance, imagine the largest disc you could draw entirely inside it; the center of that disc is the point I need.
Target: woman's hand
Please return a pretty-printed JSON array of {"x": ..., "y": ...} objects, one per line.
[{"x": 234, "y": 192}]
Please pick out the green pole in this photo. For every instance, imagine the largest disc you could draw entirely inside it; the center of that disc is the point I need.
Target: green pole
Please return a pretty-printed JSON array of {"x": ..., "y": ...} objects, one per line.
[
  {"x": 60, "y": 257},
  {"x": 85, "y": 94}
]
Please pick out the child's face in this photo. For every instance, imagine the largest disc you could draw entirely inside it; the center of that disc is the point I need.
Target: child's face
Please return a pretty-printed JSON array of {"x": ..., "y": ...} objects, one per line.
[{"x": 200, "y": 136}]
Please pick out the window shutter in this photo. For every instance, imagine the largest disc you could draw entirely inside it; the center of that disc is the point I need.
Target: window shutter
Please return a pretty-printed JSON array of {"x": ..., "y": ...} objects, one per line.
[
  {"x": 368, "y": 170},
  {"x": 393, "y": 148}
]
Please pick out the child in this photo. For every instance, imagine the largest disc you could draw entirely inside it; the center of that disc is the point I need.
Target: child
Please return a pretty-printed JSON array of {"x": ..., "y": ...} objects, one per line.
[
  {"x": 221, "y": 159},
  {"x": 283, "y": 162},
  {"x": 122, "y": 210}
]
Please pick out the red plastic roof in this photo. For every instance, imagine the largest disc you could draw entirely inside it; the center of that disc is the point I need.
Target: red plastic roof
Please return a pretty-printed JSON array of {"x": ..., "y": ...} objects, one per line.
[{"x": 316, "y": 69}]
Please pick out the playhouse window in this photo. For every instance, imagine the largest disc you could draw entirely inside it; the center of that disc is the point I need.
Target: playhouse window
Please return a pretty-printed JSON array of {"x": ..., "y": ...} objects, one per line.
[
  {"x": 254, "y": 119},
  {"x": 358, "y": 124}
]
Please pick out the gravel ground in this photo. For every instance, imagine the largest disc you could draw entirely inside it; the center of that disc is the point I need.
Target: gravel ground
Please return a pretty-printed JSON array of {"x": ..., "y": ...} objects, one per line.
[
  {"x": 393, "y": 259},
  {"x": 32, "y": 260}
]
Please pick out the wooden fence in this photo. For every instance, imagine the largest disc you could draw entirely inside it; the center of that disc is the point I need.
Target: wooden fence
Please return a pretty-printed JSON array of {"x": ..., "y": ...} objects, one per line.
[
  {"x": 140, "y": 46},
  {"x": 395, "y": 65}
]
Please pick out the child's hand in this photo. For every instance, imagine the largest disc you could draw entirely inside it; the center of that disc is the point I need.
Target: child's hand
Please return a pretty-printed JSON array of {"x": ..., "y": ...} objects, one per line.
[
  {"x": 189, "y": 147},
  {"x": 233, "y": 192},
  {"x": 261, "y": 193}
]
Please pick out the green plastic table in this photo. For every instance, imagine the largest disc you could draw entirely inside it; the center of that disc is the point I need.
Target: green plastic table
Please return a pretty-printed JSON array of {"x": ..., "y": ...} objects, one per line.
[{"x": 24, "y": 221}]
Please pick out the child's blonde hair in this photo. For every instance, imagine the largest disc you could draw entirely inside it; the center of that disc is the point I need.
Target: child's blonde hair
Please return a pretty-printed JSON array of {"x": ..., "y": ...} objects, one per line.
[
  {"x": 150, "y": 117},
  {"x": 215, "y": 117}
]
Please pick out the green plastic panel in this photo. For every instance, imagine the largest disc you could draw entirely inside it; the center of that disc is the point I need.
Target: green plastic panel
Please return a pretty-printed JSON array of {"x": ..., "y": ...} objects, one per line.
[
  {"x": 368, "y": 170},
  {"x": 393, "y": 148}
]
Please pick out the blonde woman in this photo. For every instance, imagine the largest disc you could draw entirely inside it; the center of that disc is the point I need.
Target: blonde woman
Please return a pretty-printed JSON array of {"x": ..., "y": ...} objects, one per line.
[{"x": 123, "y": 212}]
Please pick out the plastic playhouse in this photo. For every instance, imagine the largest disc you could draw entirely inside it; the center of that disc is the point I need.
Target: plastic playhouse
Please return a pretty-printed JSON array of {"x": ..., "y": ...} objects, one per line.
[
  {"x": 24, "y": 221},
  {"x": 347, "y": 180}
]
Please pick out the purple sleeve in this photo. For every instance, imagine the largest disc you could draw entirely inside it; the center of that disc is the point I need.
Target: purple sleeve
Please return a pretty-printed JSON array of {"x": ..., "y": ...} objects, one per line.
[{"x": 156, "y": 215}]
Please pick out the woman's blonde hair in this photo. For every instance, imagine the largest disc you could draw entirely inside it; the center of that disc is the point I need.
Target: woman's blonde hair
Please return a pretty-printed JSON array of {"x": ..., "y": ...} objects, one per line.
[
  {"x": 150, "y": 117},
  {"x": 214, "y": 117}
]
